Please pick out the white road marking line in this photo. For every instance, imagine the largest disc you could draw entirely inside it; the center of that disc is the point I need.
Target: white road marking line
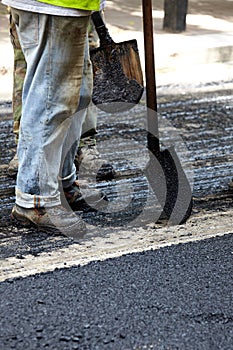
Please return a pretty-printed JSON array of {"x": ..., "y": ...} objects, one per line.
[{"x": 119, "y": 243}]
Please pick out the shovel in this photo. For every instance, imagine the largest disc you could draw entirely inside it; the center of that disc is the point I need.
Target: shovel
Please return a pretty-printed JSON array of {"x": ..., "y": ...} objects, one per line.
[
  {"x": 164, "y": 170},
  {"x": 117, "y": 73}
]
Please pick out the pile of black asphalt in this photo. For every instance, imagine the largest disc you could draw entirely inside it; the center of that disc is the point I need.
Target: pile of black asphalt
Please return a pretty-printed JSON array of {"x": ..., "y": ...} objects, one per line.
[{"x": 177, "y": 297}]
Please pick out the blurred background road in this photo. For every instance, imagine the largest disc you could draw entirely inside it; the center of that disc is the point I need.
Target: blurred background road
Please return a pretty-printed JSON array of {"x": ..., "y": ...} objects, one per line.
[{"x": 203, "y": 53}]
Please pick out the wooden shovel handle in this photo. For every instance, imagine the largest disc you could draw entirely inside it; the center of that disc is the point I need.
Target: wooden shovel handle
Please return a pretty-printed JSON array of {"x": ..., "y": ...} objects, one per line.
[{"x": 151, "y": 96}]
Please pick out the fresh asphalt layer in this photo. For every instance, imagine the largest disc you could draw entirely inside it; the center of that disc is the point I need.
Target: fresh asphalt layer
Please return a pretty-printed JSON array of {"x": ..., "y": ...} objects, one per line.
[{"x": 177, "y": 297}]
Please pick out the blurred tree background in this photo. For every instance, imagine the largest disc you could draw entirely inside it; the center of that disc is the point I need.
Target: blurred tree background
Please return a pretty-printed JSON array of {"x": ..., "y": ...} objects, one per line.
[{"x": 175, "y": 12}]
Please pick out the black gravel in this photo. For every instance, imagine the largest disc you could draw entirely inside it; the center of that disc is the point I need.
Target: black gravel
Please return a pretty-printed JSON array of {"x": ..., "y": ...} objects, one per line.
[{"x": 178, "y": 297}]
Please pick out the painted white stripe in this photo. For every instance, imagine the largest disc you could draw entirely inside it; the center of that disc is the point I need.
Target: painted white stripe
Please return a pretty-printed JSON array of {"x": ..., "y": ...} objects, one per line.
[{"x": 118, "y": 243}]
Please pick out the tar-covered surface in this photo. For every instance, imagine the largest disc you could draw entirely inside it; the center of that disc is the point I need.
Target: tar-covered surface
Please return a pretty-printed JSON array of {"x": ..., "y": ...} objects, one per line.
[
  {"x": 178, "y": 297},
  {"x": 198, "y": 124}
]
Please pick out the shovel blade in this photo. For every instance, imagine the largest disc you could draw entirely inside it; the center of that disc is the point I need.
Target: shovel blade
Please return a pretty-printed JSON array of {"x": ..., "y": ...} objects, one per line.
[
  {"x": 170, "y": 185},
  {"x": 117, "y": 76},
  {"x": 130, "y": 60}
]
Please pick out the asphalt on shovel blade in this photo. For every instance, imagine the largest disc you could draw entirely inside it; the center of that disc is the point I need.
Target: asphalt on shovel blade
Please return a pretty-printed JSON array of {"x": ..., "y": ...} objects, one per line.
[{"x": 117, "y": 75}]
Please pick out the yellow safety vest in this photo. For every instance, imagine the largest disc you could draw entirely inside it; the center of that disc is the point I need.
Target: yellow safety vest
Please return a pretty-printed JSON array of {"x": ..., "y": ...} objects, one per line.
[{"x": 91, "y": 5}]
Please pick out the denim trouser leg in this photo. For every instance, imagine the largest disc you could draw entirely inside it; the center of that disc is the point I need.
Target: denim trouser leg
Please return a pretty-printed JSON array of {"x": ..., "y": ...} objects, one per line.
[
  {"x": 73, "y": 136},
  {"x": 90, "y": 120},
  {"x": 54, "y": 50},
  {"x": 89, "y": 127}
]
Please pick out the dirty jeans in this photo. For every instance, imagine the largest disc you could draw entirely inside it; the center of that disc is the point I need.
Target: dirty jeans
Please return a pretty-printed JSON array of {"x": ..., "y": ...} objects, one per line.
[
  {"x": 90, "y": 121},
  {"x": 53, "y": 47},
  {"x": 19, "y": 72},
  {"x": 89, "y": 127},
  {"x": 83, "y": 113}
]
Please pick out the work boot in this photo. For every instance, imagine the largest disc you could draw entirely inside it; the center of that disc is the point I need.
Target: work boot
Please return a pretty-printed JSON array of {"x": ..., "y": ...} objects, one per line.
[
  {"x": 84, "y": 198},
  {"x": 13, "y": 167},
  {"x": 88, "y": 160},
  {"x": 51, "y": 219}
]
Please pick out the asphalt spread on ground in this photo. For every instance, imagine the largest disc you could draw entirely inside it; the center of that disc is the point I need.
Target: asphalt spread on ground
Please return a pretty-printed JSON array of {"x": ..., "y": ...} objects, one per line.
[{"x": 178, "y": 297}]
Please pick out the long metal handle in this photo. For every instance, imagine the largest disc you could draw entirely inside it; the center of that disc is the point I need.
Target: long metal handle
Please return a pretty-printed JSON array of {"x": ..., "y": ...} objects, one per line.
[{"x": 151, "y": 96}]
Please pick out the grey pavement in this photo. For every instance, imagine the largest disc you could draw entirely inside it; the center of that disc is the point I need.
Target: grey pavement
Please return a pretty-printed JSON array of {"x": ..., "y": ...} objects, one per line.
[{"x": 203, "y": 53}]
